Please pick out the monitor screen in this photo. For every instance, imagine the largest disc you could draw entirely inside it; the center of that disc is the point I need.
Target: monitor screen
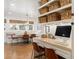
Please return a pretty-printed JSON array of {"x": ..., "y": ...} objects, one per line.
[{"x": 63, "y": 31}]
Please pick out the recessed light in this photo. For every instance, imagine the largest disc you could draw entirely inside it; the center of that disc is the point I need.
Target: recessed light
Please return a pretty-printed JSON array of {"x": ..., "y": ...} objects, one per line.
[
  {"x": 12, "y": 4},
  {"x": 9, "y": 12}
]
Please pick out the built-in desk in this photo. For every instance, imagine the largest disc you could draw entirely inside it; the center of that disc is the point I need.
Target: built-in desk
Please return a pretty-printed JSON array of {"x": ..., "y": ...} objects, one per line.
[{"x": 60, "y": 49}]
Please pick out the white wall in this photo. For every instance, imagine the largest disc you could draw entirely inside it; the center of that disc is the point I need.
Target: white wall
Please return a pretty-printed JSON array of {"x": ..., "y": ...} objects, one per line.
[
  {"x": 53, "y": 30},
  {"x": 17, "y": 32},
  {"x": 53, "y": 27},
  {"x": 41, "y": 30},
  {"x": 20, "y": 9}
]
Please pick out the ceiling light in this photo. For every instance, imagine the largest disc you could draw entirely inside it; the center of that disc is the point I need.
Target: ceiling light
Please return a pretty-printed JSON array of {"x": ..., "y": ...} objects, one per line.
[
  {"x": 9, "y": 12},
  {"x": 12, "y": 4}
]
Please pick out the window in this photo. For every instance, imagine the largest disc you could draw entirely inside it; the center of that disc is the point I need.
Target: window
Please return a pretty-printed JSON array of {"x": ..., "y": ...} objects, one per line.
[
  {"x": 47, "y": 29},
  {"x": 14, "y": 27},
  {"x": 30, "y": 27},
  {"x": 22, "y": 27}
]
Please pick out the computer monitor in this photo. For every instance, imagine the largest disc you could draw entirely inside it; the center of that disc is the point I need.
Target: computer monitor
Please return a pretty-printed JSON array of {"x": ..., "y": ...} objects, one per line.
[{"x": 63, "y": 31}]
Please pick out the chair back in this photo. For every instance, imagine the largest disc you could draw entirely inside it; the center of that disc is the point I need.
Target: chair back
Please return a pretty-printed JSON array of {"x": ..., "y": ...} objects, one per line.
[
  {"x": 36, "y": 47},
  {"x": 25, "y": 36},
  {"x": 33, "y": 35},
  {"x": 50, "y": 54}
]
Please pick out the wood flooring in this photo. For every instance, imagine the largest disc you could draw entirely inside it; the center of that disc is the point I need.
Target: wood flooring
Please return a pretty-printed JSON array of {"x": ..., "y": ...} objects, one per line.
[{"x": 18, "y": 51}]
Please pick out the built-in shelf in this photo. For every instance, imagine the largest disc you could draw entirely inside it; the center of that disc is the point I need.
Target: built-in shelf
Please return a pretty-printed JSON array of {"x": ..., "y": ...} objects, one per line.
[
  {"x": 61, "y": 21},
  {"x": 56, "y": 10},
  {"x": 46, "y": 4}
]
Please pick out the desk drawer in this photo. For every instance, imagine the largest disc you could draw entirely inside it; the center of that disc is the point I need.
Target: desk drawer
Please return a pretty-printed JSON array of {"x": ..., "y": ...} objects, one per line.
[
  {"x": 49, "y": 46},
  {"x": 39, "y": 43},
  {"x": 63, "y": 54}
]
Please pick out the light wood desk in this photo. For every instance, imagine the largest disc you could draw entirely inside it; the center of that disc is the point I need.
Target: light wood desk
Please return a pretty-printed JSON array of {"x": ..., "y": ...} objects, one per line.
[{"x": 60, "y": 49}]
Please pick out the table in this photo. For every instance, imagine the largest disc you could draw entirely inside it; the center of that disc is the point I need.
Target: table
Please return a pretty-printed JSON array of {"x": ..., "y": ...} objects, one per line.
[{"x": 62, "y": 50}]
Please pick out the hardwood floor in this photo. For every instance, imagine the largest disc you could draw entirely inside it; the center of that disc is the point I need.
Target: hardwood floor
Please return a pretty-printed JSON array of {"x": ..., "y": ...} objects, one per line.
[{"x": 18, "y": 51}]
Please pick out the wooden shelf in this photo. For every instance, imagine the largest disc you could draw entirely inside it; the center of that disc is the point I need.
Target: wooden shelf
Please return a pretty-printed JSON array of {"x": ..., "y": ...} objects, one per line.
[
  {"x": 61, "y": 21},
  {"x": 56, "y": 10},
  {"x": 46, "y": 4}
]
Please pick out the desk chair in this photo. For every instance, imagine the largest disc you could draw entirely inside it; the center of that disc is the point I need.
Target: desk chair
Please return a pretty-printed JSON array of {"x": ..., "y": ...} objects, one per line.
[
  {"x": 50, "y": 54},
  {"x": 39, "y": 50},
  {"x": 32, "y": 36},
  {"x": 13, "y": 38},
  {"x": 25, "y": 38}
]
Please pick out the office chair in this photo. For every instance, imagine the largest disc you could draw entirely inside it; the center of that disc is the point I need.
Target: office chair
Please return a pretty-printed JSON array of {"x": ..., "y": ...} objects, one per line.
[
  {"x": 26, "y": 38},
  {"x": 32, "y": 36},
  {"x": 50, "y": 54},
  {"x": 13, "y": 38},
  {"x": 39, "y": 50}
]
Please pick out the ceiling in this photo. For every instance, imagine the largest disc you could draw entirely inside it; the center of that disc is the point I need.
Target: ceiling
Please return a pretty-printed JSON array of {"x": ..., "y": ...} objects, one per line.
[{"x": 21, "y": 9}]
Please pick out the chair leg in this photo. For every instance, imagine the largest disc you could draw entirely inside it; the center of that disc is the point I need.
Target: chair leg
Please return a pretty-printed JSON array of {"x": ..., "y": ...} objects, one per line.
[
  {"x": 39, "y": 56},
  {"x": 32, "y": 56}
]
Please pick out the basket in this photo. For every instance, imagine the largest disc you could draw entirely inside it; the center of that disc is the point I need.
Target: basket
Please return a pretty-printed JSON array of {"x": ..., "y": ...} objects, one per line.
[
  {"x": 66, "y": 14},
  {"x": 43, "y": 2},
  {"x": 64, "y": 2},
  {"x": 54, "y": 17},
  {"x": 43, "y": 19},
  {"x": 54, "y": 5},
  {"x": 44, "y": 10}
]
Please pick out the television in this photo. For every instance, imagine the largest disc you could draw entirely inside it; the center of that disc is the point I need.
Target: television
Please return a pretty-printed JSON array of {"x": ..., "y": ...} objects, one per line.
[{"x": 63, "y": 31}]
